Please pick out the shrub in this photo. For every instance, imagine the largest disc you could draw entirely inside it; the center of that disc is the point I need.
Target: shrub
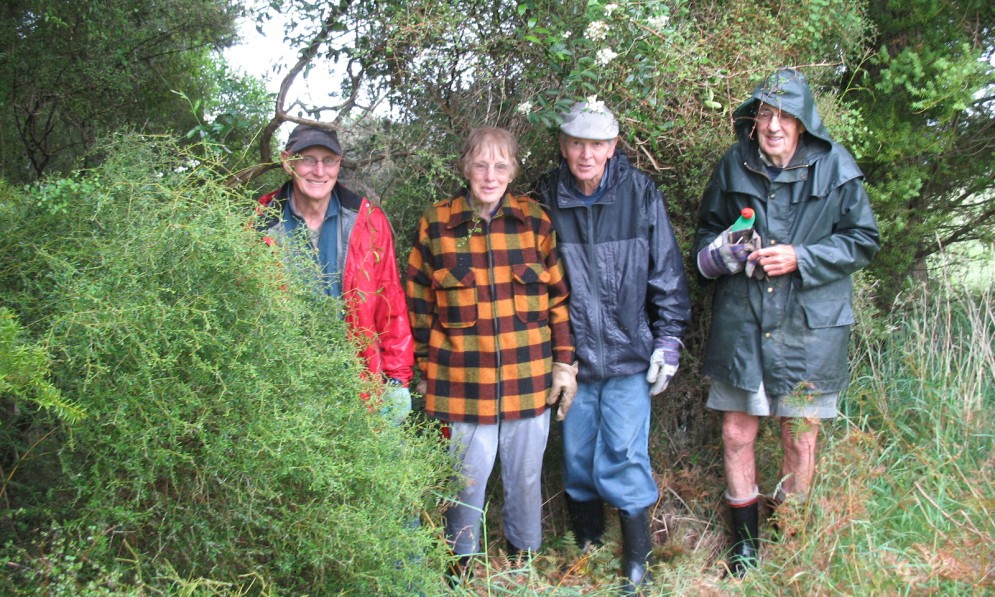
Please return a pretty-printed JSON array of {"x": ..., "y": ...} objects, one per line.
[{"x": 225, "y": 438}]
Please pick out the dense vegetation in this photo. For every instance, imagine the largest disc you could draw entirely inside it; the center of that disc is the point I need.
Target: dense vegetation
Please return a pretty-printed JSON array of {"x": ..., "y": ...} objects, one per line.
[
  {"x": 179, "y": 414},
  {"x": 907, "y": 86},
  {"x": 220, "y": 432}
]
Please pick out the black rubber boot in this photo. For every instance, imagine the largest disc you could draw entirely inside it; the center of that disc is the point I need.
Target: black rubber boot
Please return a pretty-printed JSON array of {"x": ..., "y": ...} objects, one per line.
[
  {"x": 637, "y": 550},
  {"x": 514, "y": 551},
  {"x": 460, "y": 571},
  {"x": 587, "y": 520},
  {"x": 746, "y": 538}
]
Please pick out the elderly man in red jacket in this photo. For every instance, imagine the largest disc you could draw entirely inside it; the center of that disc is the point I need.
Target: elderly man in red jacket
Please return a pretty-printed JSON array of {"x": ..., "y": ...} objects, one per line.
[{"x": 352, "y": 244}]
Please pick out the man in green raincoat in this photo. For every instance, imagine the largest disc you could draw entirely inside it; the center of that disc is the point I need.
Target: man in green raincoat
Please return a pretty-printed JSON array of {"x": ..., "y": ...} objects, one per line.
[{"x": 782, "y": 305}]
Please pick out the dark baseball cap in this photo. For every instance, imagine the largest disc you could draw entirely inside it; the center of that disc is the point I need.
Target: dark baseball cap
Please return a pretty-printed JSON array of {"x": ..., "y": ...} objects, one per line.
[{"x": 304, "y": 136}]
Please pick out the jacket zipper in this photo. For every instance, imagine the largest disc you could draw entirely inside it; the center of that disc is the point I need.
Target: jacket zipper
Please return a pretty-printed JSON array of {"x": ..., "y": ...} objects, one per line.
[{"x": 596, "y": 282}]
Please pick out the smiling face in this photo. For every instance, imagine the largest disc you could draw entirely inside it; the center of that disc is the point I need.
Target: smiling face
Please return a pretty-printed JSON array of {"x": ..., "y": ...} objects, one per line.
[
  {"x": 488, "y": 171},
  {"x": 778, "y": 134},
  {"x": 587, "y": 159},
  {"x": 314, "y": 171}
]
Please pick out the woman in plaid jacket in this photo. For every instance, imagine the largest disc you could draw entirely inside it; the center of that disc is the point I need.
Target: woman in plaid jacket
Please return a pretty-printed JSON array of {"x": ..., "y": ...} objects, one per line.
[{"x": 487, "y": 301}]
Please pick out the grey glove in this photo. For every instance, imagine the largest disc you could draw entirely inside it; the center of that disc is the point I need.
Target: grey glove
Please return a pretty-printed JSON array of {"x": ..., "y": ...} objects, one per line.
[
  {"x": 726, "y": 255},
  {"x": 563, "y": 388},
  {"x": 663, "y": 364},
  {"x": 396, "y": 403},
  {"x": 754, "y": 270}
]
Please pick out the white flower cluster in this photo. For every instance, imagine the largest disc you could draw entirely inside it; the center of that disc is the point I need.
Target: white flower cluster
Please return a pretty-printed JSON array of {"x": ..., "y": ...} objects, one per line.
[
  {"x": 524, "y": 108},
  {"x": 593, "y": 105},
  {"x": 658, "y": 22},
  {"x": 604, "y": 56},
  {"x": 597, "y": 30},
  {"x": 610, "y": 8},
  {"x": 189, "y": 165}
]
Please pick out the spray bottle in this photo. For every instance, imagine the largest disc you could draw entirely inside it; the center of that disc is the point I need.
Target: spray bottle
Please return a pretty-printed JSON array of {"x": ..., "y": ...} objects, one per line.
[{"x": 742, "y": 228}]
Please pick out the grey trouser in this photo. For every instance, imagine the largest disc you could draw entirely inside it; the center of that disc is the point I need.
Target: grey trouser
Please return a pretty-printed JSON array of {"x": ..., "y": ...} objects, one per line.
[
  {"x": 520, "y": 445},
  {"x": 724, "y": 397}
]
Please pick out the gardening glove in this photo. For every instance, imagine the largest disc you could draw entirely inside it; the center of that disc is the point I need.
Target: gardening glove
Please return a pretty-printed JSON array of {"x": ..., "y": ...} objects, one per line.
[
  {"x": 663, "y": 364},
  {"x": 563, "y": 388},
  {"x": 396, "y": 401},
  {"x": 753, "y": 270},
  {"x": 727, "y": 254}
]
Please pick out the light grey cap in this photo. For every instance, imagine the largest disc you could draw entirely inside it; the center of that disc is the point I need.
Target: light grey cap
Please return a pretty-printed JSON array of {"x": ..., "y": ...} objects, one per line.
[{"x": 590, "y": 121}]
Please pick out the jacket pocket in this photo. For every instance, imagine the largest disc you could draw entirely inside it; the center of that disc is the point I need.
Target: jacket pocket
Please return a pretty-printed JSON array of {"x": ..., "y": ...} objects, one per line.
[
  {"x": 456, "y": 298},
  {"x": 828, "y": 313},
  {"x": 531, "y": 289}
]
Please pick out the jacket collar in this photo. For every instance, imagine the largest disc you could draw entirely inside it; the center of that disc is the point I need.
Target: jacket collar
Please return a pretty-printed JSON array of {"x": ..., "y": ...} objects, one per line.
[
  {"x": 567, "y": 194},
  {"x": 463, "y": 213}
]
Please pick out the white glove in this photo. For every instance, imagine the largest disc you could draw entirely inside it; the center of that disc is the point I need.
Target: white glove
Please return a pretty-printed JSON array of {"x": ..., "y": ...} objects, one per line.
[
  {"x": 563, "y": 388},
  {"x": 663, "y": 364},
  {"x": 727, "y": 254}
]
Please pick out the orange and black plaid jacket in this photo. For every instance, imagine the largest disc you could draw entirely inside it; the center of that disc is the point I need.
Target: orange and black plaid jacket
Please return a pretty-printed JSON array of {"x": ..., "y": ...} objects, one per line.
[{"x": 487, "y": 303}]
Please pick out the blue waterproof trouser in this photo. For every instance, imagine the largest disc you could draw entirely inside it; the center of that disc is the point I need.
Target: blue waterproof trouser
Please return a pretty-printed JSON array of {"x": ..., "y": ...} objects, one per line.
[{"x": 606, "y": 444}]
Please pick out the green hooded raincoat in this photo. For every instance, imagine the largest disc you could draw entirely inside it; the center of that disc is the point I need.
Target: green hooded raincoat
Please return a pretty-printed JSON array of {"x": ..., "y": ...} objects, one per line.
[{"x": 791, "y": 332}]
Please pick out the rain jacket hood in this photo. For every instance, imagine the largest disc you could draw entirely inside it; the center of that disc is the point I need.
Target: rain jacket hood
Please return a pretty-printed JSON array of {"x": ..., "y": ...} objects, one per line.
[{"x": 786, "y": 90}]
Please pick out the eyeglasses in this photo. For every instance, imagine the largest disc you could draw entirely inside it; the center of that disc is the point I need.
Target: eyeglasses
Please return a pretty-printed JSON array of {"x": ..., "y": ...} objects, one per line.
[
  {"x": 766, "y": 115},
  {"x": 309, "y": 161},
  {"x": 501, "y": 168}
]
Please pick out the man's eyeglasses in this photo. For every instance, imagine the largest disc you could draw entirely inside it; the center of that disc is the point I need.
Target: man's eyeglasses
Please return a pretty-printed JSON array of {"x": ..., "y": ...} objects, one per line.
[
  {"x": 766, "y": 115},
  {"x": 500, "y": 168},
  {"x": 309, "y": 161}
]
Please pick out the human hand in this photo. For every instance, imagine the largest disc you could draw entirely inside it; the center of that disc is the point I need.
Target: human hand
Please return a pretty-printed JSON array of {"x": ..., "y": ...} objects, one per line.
[
  {"x": 663, "y": 364},
  {"x": 776, "y": 260},
  {"x": 563, "y": 388},
  {"x": 727, "y": 254}
]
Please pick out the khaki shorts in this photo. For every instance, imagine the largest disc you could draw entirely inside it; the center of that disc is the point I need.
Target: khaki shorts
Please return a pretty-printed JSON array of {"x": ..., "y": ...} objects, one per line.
[{"x": 725, "y": 397}]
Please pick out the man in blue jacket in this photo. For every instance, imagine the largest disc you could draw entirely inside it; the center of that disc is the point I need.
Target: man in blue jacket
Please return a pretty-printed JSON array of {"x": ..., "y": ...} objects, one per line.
[
  {"x": 782, "y": 309},
  {"x": 629, "y": 308}
]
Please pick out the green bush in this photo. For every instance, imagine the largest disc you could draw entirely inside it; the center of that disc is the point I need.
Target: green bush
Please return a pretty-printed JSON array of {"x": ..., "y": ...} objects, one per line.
[{"x": 226, "y": 438}]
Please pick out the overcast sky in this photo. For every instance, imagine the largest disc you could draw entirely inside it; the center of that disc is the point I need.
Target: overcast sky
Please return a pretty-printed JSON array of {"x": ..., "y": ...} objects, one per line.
[{"x": 257, "y": 55}]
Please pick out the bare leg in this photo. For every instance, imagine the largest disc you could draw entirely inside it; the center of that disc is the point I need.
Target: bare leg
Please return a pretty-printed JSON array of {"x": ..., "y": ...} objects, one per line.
[
  {"x": 739, "y": 434},
  {"x": 799, "y": 439}
]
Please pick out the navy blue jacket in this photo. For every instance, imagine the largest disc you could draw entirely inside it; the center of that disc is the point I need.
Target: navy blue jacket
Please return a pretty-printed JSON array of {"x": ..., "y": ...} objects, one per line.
[{"x": 624, "y": 268}]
